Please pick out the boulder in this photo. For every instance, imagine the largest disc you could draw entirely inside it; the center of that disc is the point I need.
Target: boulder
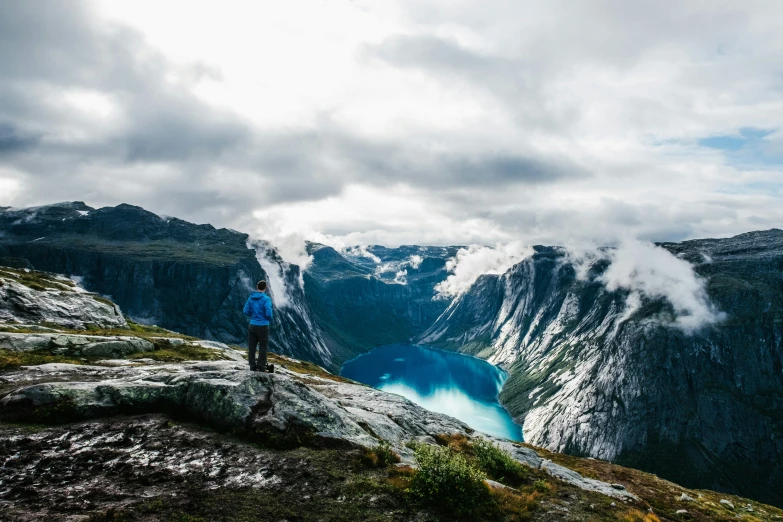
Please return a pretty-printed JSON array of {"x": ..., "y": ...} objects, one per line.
[{"x": 61, "y": 303}]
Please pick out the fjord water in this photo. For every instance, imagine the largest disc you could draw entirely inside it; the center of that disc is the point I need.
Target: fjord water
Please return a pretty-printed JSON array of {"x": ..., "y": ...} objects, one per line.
[{"x": 459, "y": 385}]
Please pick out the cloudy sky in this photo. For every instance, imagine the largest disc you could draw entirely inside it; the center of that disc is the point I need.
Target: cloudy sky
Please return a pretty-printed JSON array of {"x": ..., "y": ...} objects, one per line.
[{"x": 374, "y": 121}]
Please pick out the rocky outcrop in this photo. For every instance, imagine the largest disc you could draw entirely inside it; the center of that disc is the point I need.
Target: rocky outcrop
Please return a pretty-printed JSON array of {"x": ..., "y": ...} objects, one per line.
[
  {"x": 282, "y": 408},
  {"x": 75, "y": 345},
  {"x": 588, "y": 377},
  {"x": 27, "y": 297}
]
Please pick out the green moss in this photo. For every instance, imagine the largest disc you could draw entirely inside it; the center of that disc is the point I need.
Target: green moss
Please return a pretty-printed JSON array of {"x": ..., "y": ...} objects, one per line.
[
  {"x": 11, "y": 359},
  {"x": 179, "y": 353},
  {"x": 39, "y": 281},
  {"x": 103, "y": 300}
]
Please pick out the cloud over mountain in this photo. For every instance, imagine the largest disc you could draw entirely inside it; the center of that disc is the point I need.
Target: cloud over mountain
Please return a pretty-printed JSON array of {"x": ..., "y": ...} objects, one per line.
[{"x": 444, "y": 122}]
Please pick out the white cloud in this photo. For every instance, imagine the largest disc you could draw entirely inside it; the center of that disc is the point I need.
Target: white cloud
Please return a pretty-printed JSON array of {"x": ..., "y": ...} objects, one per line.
[
  {"x": 360, "y": 251},
  {"x": 472, "y": 262},
  {"x": 400, "y": 268},
  {"x": 276, "y": 270},
  {"x": 401, "y": 122},
  {"x": 644, "y": 269}
]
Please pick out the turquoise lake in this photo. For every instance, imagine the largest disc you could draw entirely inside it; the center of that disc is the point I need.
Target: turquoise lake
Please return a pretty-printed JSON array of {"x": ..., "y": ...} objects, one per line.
[{"x": 458, "y": 385}]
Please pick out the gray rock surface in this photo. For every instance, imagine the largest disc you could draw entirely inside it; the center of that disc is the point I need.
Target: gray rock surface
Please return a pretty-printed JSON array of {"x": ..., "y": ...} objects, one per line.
[
  {"x": 226, "y": 395},
  {"x": 63, "y": 303},
  {"x": 74, "y": 344}
]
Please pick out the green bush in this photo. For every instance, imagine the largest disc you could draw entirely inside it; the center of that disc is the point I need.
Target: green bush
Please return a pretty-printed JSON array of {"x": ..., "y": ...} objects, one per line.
[
  {"x": 447, "y": 479},
  {"x": 498, "y": 464}
]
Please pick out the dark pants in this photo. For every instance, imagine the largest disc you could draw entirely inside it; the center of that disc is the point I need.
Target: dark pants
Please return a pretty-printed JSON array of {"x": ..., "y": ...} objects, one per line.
[{"x": 257, "y": 335}]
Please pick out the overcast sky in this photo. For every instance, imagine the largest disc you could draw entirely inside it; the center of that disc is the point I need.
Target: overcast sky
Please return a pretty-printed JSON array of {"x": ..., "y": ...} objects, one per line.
[{"x": 437, "y": 122}]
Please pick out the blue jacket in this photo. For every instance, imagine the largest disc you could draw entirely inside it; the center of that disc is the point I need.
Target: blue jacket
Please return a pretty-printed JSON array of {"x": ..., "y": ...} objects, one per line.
[{"x": 259, "y": 309}]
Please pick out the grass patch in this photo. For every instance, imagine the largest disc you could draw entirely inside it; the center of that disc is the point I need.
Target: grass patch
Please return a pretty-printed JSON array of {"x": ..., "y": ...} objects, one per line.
[
  {"x": 103, "y": 300},
  {"x": 40, "y": 281},
  {"x": 133, "y": 330},
  {"x": 180, "y": 353},
  {"x": 10, "y": 359},
  {"x": 634, "y": 515}
]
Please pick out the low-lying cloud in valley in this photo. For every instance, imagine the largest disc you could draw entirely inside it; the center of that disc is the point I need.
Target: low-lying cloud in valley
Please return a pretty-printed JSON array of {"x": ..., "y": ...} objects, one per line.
[{"x": 646, "y": 270}]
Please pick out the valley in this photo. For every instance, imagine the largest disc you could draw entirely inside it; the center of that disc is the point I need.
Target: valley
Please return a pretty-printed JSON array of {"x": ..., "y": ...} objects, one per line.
[{"x": 594, "y": 370}]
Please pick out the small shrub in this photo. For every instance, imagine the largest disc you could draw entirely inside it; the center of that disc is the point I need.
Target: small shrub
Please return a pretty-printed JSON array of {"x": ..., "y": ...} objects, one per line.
[
  {"x": 542, "y": 486},
  {"x": 498, "y": 464},
  {"x": 447, "y": 478},
  {"x": 380, "y": 456}
]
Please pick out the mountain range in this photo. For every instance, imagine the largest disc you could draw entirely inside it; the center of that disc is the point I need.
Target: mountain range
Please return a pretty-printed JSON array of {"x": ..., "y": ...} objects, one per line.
[{"x": 681, "y": 375}]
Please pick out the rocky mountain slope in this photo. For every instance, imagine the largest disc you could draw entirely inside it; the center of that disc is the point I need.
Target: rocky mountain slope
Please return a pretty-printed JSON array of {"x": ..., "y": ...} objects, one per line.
[
  {"x": 173, "y": 428},
  {"x": 592, "y": 376}
]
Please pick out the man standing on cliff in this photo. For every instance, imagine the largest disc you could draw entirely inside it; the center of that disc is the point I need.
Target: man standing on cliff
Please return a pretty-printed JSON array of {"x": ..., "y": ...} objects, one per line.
[{"x": 259, "y": 309}]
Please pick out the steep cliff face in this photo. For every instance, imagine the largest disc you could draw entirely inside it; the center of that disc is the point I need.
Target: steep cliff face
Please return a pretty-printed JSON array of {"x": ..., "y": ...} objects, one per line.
[
  {"x": 592, "y": 376},
  {"x": 189, "y": 278},
  {"x": 380, "y": 297}
]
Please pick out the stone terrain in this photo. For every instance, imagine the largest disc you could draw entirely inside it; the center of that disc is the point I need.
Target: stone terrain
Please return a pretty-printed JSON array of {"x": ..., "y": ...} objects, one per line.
[
  {"x": 138, "y": 437},
  {"x": 27, "y": 296}
]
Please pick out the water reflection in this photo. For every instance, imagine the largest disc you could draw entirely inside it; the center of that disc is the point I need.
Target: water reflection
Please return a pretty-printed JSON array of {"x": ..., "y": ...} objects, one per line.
[{"x": 446, "y": 382}]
